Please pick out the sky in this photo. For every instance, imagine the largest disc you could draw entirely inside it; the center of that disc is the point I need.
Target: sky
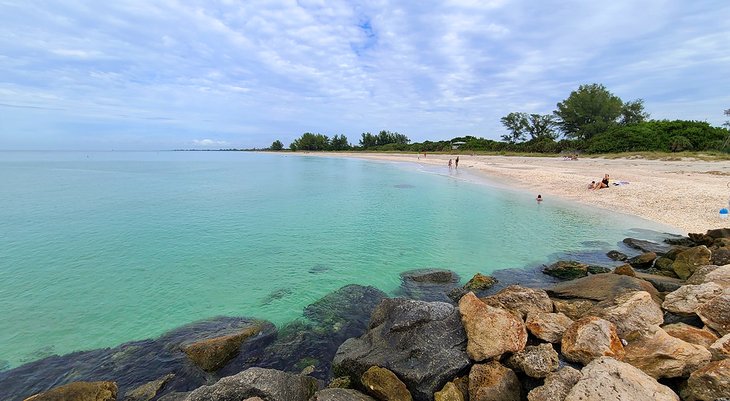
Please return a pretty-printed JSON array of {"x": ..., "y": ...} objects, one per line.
[{"x": 168, "y": 74}]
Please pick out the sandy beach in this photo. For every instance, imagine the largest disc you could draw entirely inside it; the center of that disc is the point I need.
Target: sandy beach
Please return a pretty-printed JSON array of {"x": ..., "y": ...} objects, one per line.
[{"x": 686, "y": 194}]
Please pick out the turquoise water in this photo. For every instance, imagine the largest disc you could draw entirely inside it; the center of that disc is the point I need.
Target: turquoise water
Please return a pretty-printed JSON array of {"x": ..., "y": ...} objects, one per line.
[{"x": 101, "y": 248}]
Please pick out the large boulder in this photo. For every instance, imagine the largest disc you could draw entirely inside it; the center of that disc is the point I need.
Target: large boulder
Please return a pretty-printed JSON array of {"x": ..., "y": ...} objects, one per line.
[
  {"x": 720, "y": 349},
  {"x": 438, "y": 276},
  {"x": 630, "y": 311},
  {"x": 590, "y": 338},
  {"x": 385, "y": 385},
  {"x": 688, "y": 298},
  {"x": 340, "y": 394},
  {"x": 606, "y": 379},
  {"x": 557, "y": 385},
  {"x": 688, "y": 261},
  {"x": 450, "y": 392},
  {"x": 567, "y": 270},
  {"x": 423, "y": 343},
  {"x": 699, "y": 276},
  {"x": 720, "y": 256},
  {"x": 79, "y": 391},
  {"x": 716, "y": 233},
  {"x": 662, "y": 356},
  {"x": 535, "y": 360},
  {"x": 643, "y": 261},
  {"x": 269, "y": 384},
  {"x": 709, "y": 383},
  {"x": 548, "y": 326},
  {"x": 520, "y": 300},
  {"x": 691, "y": 334},
  {"x": 211, "y": 354},
  {"x": 625, "y": 270},
  {"x": 647, "y": 246},
  {"x": 720, "y": 276},
  {"x": 600, "y": 287},
  {"x": 573, "y": 308},
  {"x": 493, "y": 382},
  {"x": 491, "y": 331},
  {"x": 661, "y": 281},
  {"x": 715, "y": 313}
]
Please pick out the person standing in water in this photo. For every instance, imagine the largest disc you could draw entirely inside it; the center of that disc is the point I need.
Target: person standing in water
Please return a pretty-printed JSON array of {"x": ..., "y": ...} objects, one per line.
[
  {"x": 449, "y": 164},
  {"x": 456, "y": 164},
  {"x": 539, "y": 198}
]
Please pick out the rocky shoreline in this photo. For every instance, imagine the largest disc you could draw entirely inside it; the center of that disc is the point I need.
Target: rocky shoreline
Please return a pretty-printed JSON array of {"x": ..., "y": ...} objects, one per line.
[{"x": 653, "y": 325}]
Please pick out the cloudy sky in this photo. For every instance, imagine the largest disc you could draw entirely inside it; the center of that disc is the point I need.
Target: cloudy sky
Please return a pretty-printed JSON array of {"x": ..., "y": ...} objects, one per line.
[{"x": 163, "y": 74}]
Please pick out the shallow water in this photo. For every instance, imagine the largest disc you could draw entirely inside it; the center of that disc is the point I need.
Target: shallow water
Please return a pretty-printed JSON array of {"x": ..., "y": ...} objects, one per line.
[{"x": 97, "y": 249}]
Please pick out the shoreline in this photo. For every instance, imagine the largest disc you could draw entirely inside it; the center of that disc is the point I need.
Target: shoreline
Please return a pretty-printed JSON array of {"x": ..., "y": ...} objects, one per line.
[{"x": 684, "y": 194}]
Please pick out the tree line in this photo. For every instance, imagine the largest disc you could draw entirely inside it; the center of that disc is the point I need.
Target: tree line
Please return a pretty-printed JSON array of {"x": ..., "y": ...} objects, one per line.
[{"x": 591, "y": 119}]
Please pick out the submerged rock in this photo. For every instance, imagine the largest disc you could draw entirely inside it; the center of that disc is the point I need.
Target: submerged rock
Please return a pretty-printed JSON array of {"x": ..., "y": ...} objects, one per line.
[
  {"x": 423, "y": 343},
  {"x": 212, "y": 354},
  {"x": 647, "y": 246},
  {"x": 80, "y": 391},
  {"x": 567, "y": 270},
  {"x": 480, "y": 282},
  {"x": 272, "y": 385},
  {"x": 428, "y": 284},
  {"x": 148, "y": 391},
  {"x": 440, "y": 276}
]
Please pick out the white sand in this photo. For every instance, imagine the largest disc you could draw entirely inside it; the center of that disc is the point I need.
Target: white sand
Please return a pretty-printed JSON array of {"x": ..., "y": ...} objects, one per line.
[{"x": 686, "y": 194}]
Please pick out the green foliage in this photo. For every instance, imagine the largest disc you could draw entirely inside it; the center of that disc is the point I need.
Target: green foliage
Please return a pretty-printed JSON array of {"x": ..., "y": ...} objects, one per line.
[
  {"x": 588, "y": 111},
  {"x": 516, "y": 125},
  {"x": 277, "y": 145},
  {"x": 632, "y": 112},
  {"x": 339, "y": 142},
  {"x": 382, "y": 138},
  {"x": 663, "y": 136},
  {"x": 520, "y": 125},
  {"x": 309, "y": 141}
]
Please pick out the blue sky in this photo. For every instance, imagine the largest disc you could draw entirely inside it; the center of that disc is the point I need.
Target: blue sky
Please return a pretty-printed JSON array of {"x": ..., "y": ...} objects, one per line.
[{"x": 164, "y": 74}]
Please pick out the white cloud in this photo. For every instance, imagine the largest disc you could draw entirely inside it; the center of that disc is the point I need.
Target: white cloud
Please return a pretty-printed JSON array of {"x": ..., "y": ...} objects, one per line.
[{"x": 209, "y": 142}]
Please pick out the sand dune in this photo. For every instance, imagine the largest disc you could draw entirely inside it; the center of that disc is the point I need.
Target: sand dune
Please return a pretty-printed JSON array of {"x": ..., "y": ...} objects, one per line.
[{"x": 686, "y": 194}]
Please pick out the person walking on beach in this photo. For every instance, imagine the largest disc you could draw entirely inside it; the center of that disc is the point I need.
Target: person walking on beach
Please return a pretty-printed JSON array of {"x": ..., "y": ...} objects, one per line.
[
  {"x": 456, "y": 164},
  {"x": 449, "y": 164}
]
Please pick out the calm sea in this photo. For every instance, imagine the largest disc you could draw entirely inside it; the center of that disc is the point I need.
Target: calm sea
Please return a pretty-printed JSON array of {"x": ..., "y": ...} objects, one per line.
[{"x": 101, "y": 248}]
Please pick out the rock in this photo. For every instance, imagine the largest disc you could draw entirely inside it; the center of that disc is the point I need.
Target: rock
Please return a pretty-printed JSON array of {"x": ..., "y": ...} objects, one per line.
[
  {"x": 600, "y": 287},
  {"x": 493, "y": 382},
  {"x": 79, "y": 391},
  {"x": 423, "y": 343},
  {"x": 643, "y": 261},
  {"x": 340, "y": 382},
  {"x": 213, "y": 353},
  {"x": 661, "y": 282},
  {"x": 430, "y": 276},
  {"x": 593, "y": 269},
  {"x": 520, "y": 300},
  {"x": 688, "y": 261},
  {"x": 589, "y": 338},
  {"x": 662, "y": 356},
  {"x": 339, "y": 308},
  {"x": 715, "y": 313},
  {"x": 450, "y": 392},
  {"x": 710, "y": 382},
  {"x": 606, "y": 379},
  {"x": 698, "y": 277},
  {"x": 174, "y": 396},
  {"x": 480, "y": 282},
  {"x": 535, "y": 361},
  {"x": 148, "y": 391},
  {"x": 490, "y": 331},
  {"x": 720, "y": 276},
  {"x": 556, "y": 386},
  {"x": 340, "y": 394},
  {"x": 718, "y": 233},
  {"x": 625, "y": 270},
  {"x": 254, "y": 399},
  {"x": 385, "y": 385},
  {"x": 270, "y": 384},
  {"x": 647, "y": 246},
  {"x": 630, "y": 311},
  {"x": 679, "y": 241},
  {"x": 720, "y": 349},
  {"x": 616, "y": 255},
  {"x": 720, "y": 257},
  {"x": 701, "y": 239},
  {"x": 574, "y": 309},
  {"x": 566, "y": 270},
  {"x": 688, "y": 298},
  {"x": 663, "y": 263},
  {"x": 548, "y": 326},
  {"x": 691, "y": 334}
]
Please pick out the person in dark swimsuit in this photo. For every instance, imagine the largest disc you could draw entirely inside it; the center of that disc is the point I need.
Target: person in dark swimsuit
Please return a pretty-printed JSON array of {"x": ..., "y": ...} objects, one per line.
[{"x": 603, "y": 183}]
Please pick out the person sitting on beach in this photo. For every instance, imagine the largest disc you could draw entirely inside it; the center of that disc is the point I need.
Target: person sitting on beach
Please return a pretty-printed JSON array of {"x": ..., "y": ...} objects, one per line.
[
  {"x": 603, "y": 183},
  {"x": 592, "y": 185}
]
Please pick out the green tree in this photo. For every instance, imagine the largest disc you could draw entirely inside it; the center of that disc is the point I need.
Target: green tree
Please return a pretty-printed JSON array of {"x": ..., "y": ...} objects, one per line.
[
  {"x": 516, "y": 123},
  {"x": 633, "y": 112},
  {"x": 309, "y": 141},
  {"x": 541, "y": 126},
  {"x": 383, "y": 138},
  {"x": 727, "y": 123},
  {"x": 339, "y": 142},
  {"x": 590, "y": 110},
  {"x": 277, "y": 145}
]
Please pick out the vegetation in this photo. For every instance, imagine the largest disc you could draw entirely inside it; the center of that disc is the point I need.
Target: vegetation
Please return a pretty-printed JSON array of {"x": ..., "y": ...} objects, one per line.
[
  {"x": 277, "y": 145},
  {"x": 590, "y": 120}
]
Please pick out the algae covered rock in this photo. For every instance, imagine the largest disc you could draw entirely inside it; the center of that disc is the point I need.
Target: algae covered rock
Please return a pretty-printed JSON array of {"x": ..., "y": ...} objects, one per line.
[
  {"x": 147, "y": 391},
  {"x": 213, "y": 353},
  {"x": 79, "y": 391},
  {"x": 450, "y": 392},
  {"x": 385, "y": 385},
  {"x": 270, "y": 384},
  {"x": 643, "y": 261},
  {"x": 493, "y": 382},
  {"x": 590, "y": 338},
  {"x": 480, "y": 282},
  {"x": 688, "y": 261},
  {"x": 490, "y": 331},
  {"x": 567, "y": 270}
]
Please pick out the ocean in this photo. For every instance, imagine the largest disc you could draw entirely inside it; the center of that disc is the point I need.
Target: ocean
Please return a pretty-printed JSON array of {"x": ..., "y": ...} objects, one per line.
[{"x": 101, "y": 248}]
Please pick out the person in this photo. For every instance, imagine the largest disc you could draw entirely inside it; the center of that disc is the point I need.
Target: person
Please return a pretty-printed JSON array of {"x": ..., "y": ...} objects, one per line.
[
  {"x": 539, "y": 198},
  {"x": 456, "y": 164},
  {"x": 592, "y": 185},
  {"x": 449, "y": 164},
  {"x": 603, "y": 183}
]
